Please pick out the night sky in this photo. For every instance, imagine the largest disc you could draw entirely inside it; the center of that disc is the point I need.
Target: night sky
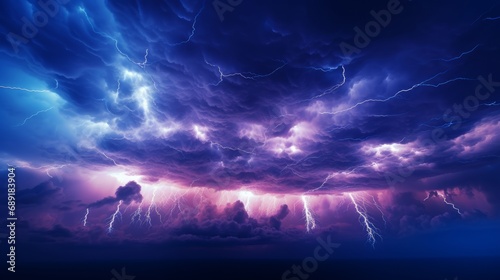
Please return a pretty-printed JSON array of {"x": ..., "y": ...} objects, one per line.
[{"x": 188, "y": 132}]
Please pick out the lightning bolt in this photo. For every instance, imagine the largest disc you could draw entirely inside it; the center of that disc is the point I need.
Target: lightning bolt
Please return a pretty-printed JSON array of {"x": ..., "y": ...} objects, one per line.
[
  {"x": 461, "y": 55},
  {"x": 34, "y": 115},
  {"x": 46, "y": 167},
  {"x": 143, "y": 64},
  {"x": 176, "y": 202},
  {"x": 431, "y": 194},
  {"x": 491, "y": 18},
  {"x": 108, "y": 158},
  {"x": 246, "y": 196},
  {"x": 331, "y": 89},
  {"x": 193, "y": 28},
  {"x": 442, "y": 195},
  {"x": 230, "y": 148},
  {"x": 377, "y": 205},
  {"x": 428, "y": 196},
  {"x": 425, "y": 83},
  {"x": 158, "y": 213},
  {"x": 201, "y": 195},
  {"x": 85, "y": 218},
  {"x": 445, "y": 125},
  {"x": 272, "y": 207},
  {"x": 370, "y": 228},
  {"x": 113, "y": 217},
  {"x": 53, "y": 167},
  {"x": 105, "y": 35},
  {"x": 244, "y": 75},
  {"x": 27, "y": 90},
  {"x": 295, "y": 163},
  {"x": 137, "y": 214},
  {"x": 310, "y": 222},
  {"x": 325, "y": 181},
  {"x": 151, "y": 205},
  {"x": 118, "y": 87},
  {"x": 332, "y": 175},
  {"x": 483, "y": 14}
]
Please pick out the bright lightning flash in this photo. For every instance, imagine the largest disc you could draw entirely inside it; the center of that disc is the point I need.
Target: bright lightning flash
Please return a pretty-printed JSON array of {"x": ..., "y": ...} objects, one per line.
[
  {"x": 152, "y": 205},
  {"x": 113, "y": 217},
  {"x": 85, "y": 218},
  {"x": 136, "y": 216},
  {"x": 370, "y": 228},
  {"x": 442, "y": 195},
  {"x": 310, "y": 222}
]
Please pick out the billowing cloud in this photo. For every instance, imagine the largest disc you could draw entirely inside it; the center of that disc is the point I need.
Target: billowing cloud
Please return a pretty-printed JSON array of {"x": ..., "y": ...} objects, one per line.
[{"x": 131, "y": 192}]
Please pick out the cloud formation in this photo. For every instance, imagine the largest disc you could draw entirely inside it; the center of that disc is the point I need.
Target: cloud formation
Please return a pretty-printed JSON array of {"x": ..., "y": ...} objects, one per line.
[
  {"x": 129, "y": 193},
  {"x": 244, "y": 129}
]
